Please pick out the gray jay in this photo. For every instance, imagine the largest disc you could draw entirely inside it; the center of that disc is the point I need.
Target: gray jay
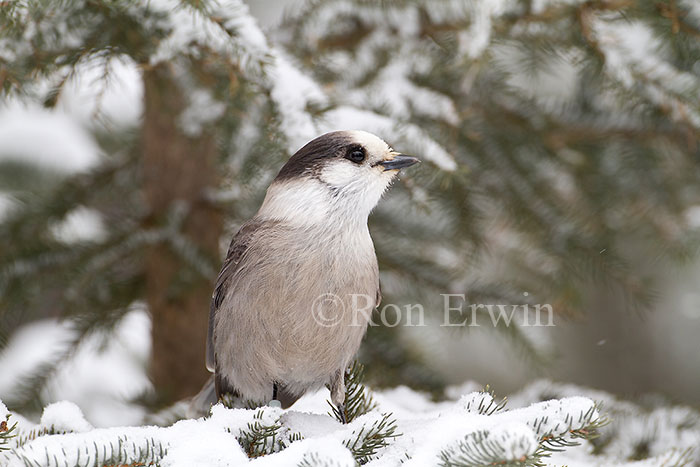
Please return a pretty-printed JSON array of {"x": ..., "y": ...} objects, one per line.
[{"x": 281, "y": 319}]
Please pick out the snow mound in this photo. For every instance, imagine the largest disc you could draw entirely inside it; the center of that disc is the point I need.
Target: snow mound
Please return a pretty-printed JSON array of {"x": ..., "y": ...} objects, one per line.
[{"x": 402, "y": 427}]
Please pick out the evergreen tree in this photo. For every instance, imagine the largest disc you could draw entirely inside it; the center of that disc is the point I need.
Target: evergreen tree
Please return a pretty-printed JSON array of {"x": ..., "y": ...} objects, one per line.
[{"x": 559, "y": 138}]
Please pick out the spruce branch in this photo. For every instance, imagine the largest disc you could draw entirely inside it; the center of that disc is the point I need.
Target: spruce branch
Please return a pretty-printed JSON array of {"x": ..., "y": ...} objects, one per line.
[
  {"x": 586, "y": 427},
  {"x": 486, "y": 447},
  {"x": 490, "y": 406},
  {"x": 260, "y": 439},
  {"x": 366, "y": 442},
  {"x": 684, "y": 458},
  {"x": 478, "y": 449},
  {"x": 7, "y": 432},
  {"x": 121, "y": 452},
  {"x": 312, "y": 459},
  {"x": 358, "y": 399},
  {"x": 31, "y": 435}
]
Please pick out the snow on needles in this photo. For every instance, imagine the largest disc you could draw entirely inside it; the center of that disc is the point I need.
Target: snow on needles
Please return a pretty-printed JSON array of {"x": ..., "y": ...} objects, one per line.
[
  {"x": 230, "y": 30},
  {"x": 467, "y": 428},
  {"x": 635, "y": 57},
  {"x": 437, "y": 429},
  {"x": 292, "y": 91},
  {"x": 50, "y": 139},
  {"x": 102, "y": 373},
  {"x": 235, "y": 33}
]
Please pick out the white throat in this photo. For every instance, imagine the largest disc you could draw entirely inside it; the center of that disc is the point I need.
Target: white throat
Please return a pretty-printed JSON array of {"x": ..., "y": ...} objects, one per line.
[{"x": 308, "y": 202}]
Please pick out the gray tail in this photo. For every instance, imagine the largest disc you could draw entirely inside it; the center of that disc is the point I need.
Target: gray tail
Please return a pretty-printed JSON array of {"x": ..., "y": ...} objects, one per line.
[{"x": 202, "y": 402}]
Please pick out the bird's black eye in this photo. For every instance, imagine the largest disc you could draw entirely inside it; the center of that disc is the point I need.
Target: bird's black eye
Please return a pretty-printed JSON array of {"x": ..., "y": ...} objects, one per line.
[{"x": 356, "y": 154}]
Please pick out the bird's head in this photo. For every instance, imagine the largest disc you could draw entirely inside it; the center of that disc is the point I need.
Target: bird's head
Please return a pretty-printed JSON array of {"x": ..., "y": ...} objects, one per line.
[{"x": 342, "y": 172}]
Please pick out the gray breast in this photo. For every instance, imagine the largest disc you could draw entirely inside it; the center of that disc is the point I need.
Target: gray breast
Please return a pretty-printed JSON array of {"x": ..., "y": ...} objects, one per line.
[{"x": 287, "y": 313}]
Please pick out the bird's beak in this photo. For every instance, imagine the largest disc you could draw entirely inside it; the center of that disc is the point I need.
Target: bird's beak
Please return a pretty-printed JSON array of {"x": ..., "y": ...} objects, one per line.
[{"x": 399, "y": 161}]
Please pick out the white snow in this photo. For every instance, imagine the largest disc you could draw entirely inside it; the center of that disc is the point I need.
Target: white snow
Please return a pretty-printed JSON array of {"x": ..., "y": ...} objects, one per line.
[
  {"x": 201, "y": 110},
  {"x": 382, "y": 106},
  {"x": 104, "y": 91},
  {"x": 428, "y": 430},
  {"x": 320, "y": 451},
  {"x": 293, "y": 91},
  {"x": 670, "y": 432},
  {"x": 636, "y": 58},
  {"x": 540, "y": 6},
  {"x": 692, "y": 215},
  {"x": 21, "y": 356},
  {"x": 553, "y": 84},
  {"x": 394, "y": 91},
  {"x": 79, "y": 225},
  {"x": 237, "y": 34},
  {"x": 107, "y": 372},
  {"x": 7, "y": 204},
  {"x": 327, "y": 21},
  {"x": 693, "y": 8},
  {"x": 64, "y": 416},
  {"x": 103, "y": 374},
  {"x": 478, "y": 35},
  {"x": 46, "y": 138}
]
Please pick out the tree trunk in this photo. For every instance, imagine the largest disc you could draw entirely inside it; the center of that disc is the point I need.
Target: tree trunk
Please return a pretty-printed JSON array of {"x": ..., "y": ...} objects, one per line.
[{"x": 177, "y": 167}]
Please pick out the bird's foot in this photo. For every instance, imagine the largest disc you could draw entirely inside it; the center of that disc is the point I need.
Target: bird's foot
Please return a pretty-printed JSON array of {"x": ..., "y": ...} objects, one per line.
[
  {"x": 341, "y": 413},
  {"x": 274, "y": 403}
]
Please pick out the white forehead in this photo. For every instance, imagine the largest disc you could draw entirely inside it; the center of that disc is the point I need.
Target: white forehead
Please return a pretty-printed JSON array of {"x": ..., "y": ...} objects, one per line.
[{"x": 372, "y": 143}]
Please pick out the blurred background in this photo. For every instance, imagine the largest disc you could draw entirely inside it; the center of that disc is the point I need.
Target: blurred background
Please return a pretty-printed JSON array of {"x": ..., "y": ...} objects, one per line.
[{"x": 561, "y": 166}]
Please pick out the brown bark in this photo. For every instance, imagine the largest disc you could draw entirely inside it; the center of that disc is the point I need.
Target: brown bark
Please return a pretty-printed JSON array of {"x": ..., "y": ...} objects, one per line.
[{"x": 177, "y": 168}]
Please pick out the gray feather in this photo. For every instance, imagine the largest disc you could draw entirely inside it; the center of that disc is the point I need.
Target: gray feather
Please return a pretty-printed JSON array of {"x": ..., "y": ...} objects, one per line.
[
  {"x": 238, "y": 246},
  {"x": 264, "y": 330}
]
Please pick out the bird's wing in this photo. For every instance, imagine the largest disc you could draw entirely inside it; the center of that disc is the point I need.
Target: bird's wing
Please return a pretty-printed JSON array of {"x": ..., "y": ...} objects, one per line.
[{"x": 236, "y": 250}]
